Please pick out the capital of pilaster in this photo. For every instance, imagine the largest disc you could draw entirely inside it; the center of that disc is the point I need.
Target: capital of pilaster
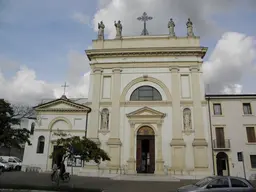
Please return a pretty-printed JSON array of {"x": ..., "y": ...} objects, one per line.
[
  {"x": 97, "y": 70},
  {"x": 174, "y": 69},
  {"x": 194, "y": 69},
  {"x": 159, "y": 124},
  {"x": 132, "y": 124},
  {"x": 117, "y": 70}
]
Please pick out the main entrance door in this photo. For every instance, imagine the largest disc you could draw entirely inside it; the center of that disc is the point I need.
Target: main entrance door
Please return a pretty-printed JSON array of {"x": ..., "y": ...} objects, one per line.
[
  {"x": 57, "y": 158},
  {"x": 222, "y": 164},
  {"x": 145, "y": 158}
]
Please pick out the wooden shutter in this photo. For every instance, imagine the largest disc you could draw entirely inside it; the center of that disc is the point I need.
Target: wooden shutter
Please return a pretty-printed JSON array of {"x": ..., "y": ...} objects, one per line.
[
  {"x": 152, "y": 154},
  {"x": 250, "y": 134},
  {"x": 138, "y": 156},
  {"x": 220, "y": 139}
]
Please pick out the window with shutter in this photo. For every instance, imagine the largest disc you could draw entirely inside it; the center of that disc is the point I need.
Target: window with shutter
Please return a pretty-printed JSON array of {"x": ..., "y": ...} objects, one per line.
[
  {"x": 217, "y": 109},
  {"x": 250, "y": 134},
  {"x": 247, "y": 108},
  {"x": 253, "y": 161}
]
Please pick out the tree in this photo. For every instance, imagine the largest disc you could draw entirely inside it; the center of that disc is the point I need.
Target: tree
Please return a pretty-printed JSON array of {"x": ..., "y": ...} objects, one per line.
[
  {"x": 10, "y": 116},
  {"x": 76, "y": 146}
]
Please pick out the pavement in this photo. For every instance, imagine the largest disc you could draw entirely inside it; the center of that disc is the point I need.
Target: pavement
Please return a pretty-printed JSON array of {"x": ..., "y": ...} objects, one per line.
[{"x": 107, "y": 184}]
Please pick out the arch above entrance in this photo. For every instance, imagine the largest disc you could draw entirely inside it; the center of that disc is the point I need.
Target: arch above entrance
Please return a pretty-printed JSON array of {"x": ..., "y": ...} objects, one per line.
[
  {"x": 222, "y": 155},
  {"x": 145, "y": 130}
]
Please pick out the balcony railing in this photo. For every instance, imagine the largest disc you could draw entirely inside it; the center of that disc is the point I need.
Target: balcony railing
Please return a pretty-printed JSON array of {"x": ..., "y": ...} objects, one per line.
[{"x": 221, "y": 144}]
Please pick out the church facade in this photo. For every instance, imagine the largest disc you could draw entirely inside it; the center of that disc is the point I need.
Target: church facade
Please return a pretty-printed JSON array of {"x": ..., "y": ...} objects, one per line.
[
  {"x": 148, "y": 104},
  {"x": 146, "y": 108}
]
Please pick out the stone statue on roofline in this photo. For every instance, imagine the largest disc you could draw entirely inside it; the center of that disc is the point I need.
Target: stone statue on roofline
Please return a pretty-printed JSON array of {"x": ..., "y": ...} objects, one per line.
[
  {"x": 190, "y": 32},
  {"x": 101, "y": 28},
  {"x": 119, "y": 29},
  {"x": 171, "y": 26}
]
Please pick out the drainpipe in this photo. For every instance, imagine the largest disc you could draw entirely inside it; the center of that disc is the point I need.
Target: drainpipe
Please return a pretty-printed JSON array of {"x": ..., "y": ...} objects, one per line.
[{"x": 210, "y": 122}]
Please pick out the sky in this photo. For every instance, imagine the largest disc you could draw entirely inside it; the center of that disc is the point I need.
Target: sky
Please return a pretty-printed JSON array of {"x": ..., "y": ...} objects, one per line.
[{"x": 42, "y": 43}]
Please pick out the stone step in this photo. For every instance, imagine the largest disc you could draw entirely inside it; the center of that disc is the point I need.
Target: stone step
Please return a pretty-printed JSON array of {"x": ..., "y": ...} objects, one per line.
[{"x": 145, "y": 178}]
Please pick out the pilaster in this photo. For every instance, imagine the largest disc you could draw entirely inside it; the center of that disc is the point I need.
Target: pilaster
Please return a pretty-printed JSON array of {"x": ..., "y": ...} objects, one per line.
[
  {"x": 159, "y": 160},
  {"x": 199, "y": 143},
  {"x": 177, "y": 144},
  {"x": 197, "y": 108},
  {"x": 114, "y": 141},
  {"x": 131, "y": 161},
  {"x": 92, "y": 132},
  {"x": 177, "y": 138}
]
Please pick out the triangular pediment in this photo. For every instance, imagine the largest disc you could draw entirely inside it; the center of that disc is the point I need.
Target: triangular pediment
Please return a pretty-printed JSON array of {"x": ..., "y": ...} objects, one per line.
[
  {"x": 146, "y": 112},
  {"x": 62, "y": 105}
]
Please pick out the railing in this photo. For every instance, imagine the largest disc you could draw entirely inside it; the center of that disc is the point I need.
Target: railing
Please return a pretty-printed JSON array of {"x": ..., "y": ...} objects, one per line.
[{"x": 221, "y": 144}]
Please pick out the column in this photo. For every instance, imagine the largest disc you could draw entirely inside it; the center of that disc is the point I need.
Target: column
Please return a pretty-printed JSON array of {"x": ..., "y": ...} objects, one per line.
[
  {"x": 177, "y": 139},
  {"x": 92, "y": 130},
  {"x": 197, "y": 107},
  {"x": 131, "y": 161},
  {"x": 114, "y": 141},
  {"x": 159, "y": 160}
]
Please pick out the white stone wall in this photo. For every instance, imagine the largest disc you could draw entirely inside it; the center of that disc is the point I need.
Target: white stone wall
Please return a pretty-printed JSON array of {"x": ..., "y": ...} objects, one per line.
[
  {"x": 234, "y": 123},
  {"x": 163, "y": 75},
  {"x": 72, "y": 124}
]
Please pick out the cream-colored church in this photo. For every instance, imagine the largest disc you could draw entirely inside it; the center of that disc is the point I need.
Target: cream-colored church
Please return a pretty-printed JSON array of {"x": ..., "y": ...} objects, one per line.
[{"x": 146, "y": 107}]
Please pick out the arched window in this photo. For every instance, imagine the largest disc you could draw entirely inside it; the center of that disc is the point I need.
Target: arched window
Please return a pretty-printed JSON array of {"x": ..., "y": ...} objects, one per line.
[
  {"x": 146, "y": 93},
  {"x": 40, "y": 144},
  {"x": 32, "y": 129}
]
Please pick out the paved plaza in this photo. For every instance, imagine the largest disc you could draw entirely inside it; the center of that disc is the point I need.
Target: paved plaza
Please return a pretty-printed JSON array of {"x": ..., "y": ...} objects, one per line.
[{"x": 108, "y": 185}]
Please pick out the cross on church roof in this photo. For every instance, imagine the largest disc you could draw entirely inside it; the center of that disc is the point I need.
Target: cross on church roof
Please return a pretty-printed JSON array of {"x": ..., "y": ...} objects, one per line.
[
  {"x": 145, "y": 18},
  {"x": 65, "y": 86}
]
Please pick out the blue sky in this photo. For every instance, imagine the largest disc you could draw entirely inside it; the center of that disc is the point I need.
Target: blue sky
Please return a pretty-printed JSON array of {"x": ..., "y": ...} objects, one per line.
[
  {"x": 43, "y": 35},
  {"x": 40, "y": 34}
]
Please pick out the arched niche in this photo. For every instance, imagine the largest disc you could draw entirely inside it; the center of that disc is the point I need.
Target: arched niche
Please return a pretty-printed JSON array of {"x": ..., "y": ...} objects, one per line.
[{"x": 60, "y": 123}]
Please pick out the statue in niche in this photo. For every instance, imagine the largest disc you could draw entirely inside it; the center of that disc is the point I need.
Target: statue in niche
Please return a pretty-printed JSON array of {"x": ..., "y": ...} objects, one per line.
[
  {"x": 101, "y": 28},
  {"x": 104, "y": 119},
  {"x": 187, "y": 119},
  {"x": 119, "y": 29},
  {"x": 190, "y": 32},
  {"x": 171, "y": 26}
]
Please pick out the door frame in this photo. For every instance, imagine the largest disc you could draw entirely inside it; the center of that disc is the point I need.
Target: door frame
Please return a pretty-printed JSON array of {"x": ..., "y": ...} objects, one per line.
[
  {"x": 147, "y": 133},
  {"x": 220, "y": 157}
]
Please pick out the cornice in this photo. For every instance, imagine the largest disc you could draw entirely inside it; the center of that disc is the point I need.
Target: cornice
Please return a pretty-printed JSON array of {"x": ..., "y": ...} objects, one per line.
[
  {"x": 135, "y": 52},
  {"x": 77, "y": 107},
  {"x": 146, "y": 103},
  {"x": 63, "y": 110},
  {"x": 160, "y": 64},
  {"x": 66, "y": 130}
]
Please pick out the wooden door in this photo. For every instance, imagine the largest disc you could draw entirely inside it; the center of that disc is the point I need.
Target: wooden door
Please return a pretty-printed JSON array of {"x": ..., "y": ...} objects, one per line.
[
  {"x": 220, "y": 139},
  {"x": 138, "y": 155},
  {"x": 152, "y": 154}
]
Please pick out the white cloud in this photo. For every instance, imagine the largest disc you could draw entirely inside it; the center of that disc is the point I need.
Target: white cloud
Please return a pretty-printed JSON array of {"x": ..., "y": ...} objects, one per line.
[
  {"x": 24, "y": 87},
  {"x": 79, "y": 90},
  {"x": 201, "y": 13},
  {"x": 232, "y": 89},
  {"x": 232, "y": 59}
]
